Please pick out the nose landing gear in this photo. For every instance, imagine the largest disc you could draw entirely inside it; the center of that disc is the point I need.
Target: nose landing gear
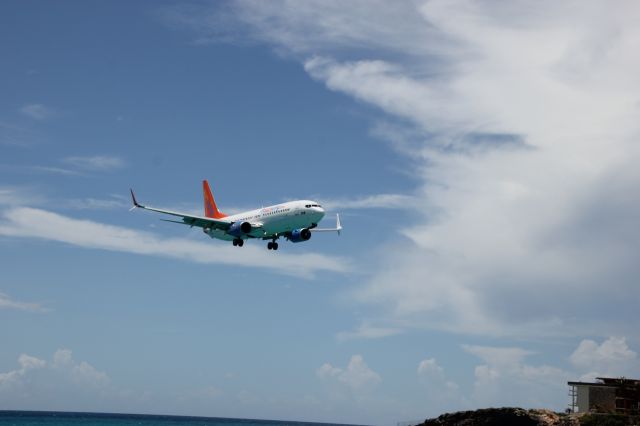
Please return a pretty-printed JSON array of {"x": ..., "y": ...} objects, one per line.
[{"x": 238, "y": 242}]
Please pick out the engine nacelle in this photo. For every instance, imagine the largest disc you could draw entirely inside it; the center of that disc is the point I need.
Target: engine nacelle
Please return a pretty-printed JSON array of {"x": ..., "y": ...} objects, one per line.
[
  {"x": 239, "y": 228},
  {"x": 300, "y": 235}
]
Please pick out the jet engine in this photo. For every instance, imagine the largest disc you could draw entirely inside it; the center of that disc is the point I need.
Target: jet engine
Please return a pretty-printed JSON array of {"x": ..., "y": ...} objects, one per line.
[
  {"x": 299, "y": 235},
  {"x": 239, "y": 228}
]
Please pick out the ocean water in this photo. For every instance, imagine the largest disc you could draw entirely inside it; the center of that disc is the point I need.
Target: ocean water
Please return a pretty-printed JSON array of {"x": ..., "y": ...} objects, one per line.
[{"x": 49, "y": 418}]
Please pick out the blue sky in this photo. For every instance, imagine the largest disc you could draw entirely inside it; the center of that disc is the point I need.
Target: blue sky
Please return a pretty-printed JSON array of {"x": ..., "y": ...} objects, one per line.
[{"x": 483, "y": 161}]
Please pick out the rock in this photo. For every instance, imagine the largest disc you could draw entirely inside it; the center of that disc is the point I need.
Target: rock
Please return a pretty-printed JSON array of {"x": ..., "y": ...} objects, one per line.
[{"x": 502, "y": 416}]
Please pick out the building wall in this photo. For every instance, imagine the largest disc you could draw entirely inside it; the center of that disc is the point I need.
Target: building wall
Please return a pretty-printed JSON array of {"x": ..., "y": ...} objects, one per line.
[
  {"x": 602, "y": 399},
  {"x": 582, "y": 399}
]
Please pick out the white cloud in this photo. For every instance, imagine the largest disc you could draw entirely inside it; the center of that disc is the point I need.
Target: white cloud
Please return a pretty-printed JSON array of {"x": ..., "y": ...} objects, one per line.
[
  {"x": 56, "y": 170},
  {"x": 612, "y": 358},
  {"x": 25, "y": 196},
  {"x": 66, "y": 368},
  {"x": 429, "y": 367},
  {"x": 506, "y": 379},
  {"x": 60, "y": 384},
  {"x": 505, "y": 376},
  {"x": 440, "y": 393},
  {"x": 11, "y": 378},
  {"x": 303, "y": 27},
  {"x": 96, "y": 163},
  {"x": 357, "y": 376},
  {"x": 7, "y": 302},
  {"x": 62, "y": 358},
  {"x": 37, "y": 111},
  {"x": 523, "y": 122},
  {"x": 79, "y": 372},
  {"x": 377, "y": 201},
  {"x": 41, "y": 224},
  {"x": 384, "y": 85},
  {"x": 98, "y": 203},
  {"x": 79, "y": 166},
  {"x": 328, "y": 371}
]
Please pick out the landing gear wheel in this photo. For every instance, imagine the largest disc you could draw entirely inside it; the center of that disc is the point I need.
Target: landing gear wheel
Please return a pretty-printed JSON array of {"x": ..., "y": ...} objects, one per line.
[
  {"x": 235, "y": 243},
  {"x": 240, "y": 243},
  {"x": 269, "y": 245},
  {"x": 275, "y": 246}
]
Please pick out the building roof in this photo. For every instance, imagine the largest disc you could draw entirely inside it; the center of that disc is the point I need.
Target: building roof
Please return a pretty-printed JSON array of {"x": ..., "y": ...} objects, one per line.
[{"x": 608, "y": 382}]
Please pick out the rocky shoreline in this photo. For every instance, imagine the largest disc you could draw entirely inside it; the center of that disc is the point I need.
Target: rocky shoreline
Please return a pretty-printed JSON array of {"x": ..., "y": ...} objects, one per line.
[{"x": 523, "y": 417}]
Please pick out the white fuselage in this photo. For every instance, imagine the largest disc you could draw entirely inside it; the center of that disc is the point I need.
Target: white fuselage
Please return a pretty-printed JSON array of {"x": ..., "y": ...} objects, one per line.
[{"x": 275, "y": 220}]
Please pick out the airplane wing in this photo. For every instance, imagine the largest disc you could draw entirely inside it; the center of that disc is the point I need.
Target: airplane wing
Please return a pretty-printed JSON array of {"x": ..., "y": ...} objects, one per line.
[
  {"x": 337, "y": 229},
  {"x": 187, "y": 219}
]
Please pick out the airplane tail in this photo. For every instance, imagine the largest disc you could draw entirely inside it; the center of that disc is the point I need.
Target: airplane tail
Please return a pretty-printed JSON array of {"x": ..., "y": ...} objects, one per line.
[{"x": 210, "y": 208}]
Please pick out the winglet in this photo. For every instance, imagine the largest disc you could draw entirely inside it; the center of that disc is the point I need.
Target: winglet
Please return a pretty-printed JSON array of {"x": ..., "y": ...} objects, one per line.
[
  {"x": 338, "y": 225},
  {"x": 135, "y": 202},
  {"x": 210, "y": 207}
]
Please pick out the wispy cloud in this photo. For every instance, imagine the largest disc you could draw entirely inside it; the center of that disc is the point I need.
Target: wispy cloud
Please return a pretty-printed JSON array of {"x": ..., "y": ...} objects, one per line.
[
  {"x": 7, "y": 302},
  {"x": 55, "y": 170},
  {"x": 367, "y": 330},
  {"x": 115, "y": 202},
  {"x": 15, "y": 196},
  {"x": 41, "y": 224},
  {"x": 377, "y": 201},
  {"x": 18, "y": 196},
  {"x": 310, "y": 26},
  {"x": 37, "y": 111},
  {"x": 95, "y": 163},
  {"x": 81, "y": 166},
  {"x": 17, "y": 136}
]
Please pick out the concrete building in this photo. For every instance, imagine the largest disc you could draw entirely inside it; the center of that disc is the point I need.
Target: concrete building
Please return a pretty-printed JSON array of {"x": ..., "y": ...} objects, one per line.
[{"x": 608, "y": 395}]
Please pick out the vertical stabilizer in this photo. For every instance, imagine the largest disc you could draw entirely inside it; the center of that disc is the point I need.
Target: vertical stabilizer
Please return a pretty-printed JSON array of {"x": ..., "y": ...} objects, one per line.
[{"x": 210, "y": 208}]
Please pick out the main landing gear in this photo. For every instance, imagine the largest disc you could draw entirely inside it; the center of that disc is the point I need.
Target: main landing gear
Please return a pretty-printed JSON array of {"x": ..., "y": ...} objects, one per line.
[
  {"x": 272, "y": 245},
  {"x": 238, "y": 242}
]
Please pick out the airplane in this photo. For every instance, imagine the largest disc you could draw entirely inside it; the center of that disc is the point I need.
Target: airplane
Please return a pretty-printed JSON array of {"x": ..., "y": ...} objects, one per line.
[{"x": 293, "y": 220}]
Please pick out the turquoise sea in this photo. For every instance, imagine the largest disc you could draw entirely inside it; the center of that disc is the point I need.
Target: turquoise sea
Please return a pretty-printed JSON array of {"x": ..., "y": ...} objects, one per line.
[{"x": 50, "y": 418}]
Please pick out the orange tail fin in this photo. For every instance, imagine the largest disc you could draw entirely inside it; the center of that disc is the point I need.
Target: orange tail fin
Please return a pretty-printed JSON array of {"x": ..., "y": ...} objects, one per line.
[{"x": 210, "y": 208}]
